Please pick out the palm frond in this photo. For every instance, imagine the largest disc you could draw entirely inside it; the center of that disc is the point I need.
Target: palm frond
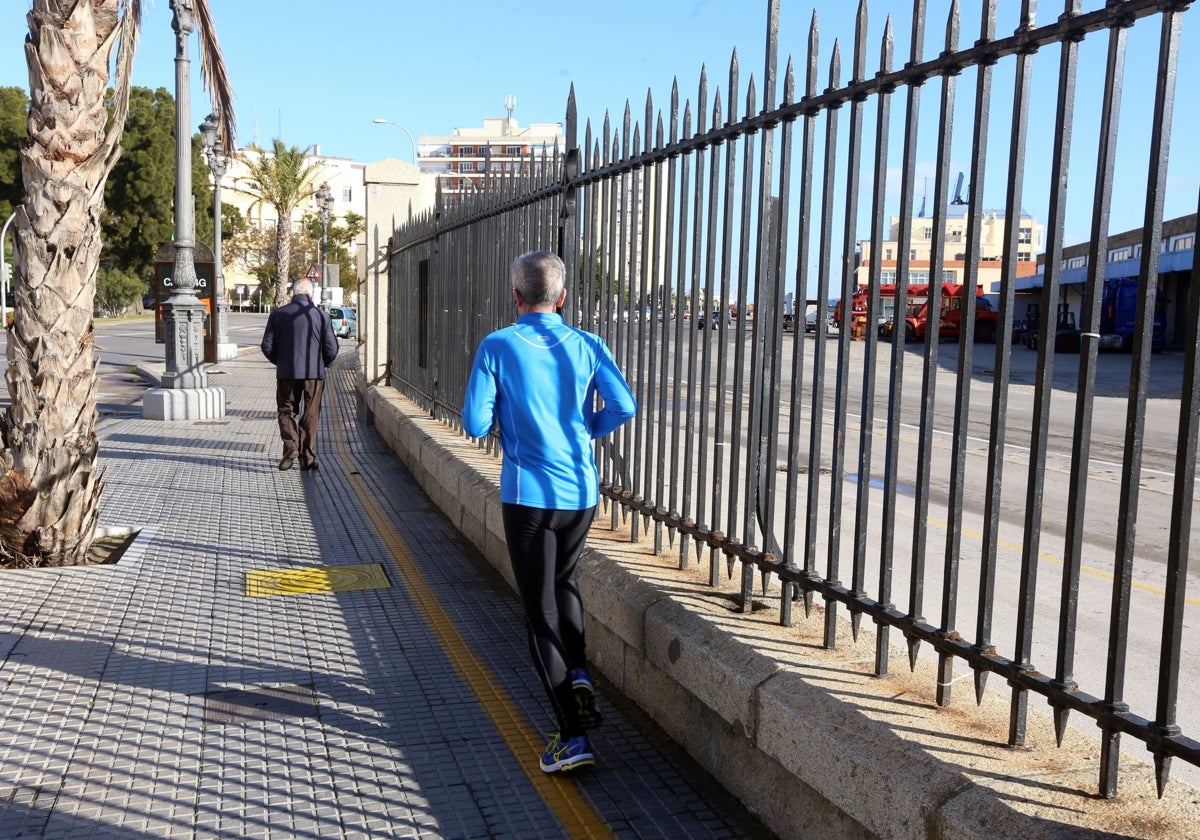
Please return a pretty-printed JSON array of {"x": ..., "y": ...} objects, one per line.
[
  {"x": 215, "y": 74},
  {"x": 129, "y": 27}
]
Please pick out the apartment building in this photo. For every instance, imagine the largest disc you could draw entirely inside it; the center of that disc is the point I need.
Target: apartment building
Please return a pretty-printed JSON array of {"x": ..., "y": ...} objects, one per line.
[
  {"x": 463, "y": 160},
  {"x": 989, "y": 253}
]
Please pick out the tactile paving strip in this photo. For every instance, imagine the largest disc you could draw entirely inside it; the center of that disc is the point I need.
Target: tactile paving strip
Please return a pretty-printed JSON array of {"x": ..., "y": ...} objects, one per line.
[{"x": 262, "y": 583}]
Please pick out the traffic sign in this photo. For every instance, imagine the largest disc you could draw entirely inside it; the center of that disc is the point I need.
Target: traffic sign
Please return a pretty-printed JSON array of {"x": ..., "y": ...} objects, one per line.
[{"x": 312, "y": 273}]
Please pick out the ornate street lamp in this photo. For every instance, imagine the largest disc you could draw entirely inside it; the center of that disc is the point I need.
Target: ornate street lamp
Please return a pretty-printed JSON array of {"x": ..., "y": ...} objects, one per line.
[
  {"x": 184, "y": 393},
  {"x": 218, "y": 164},
  {"x": 324, "y": 209}
]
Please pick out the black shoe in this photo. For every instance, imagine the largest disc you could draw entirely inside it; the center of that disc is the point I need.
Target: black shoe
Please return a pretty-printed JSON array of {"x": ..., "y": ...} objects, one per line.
[
  {"x": 313, "y": 466},
  {"x": 286, "y": 462}
]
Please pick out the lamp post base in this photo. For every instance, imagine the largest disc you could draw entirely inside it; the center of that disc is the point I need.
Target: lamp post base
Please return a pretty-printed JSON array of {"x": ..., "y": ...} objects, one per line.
[{"x": 183, "y": 403}]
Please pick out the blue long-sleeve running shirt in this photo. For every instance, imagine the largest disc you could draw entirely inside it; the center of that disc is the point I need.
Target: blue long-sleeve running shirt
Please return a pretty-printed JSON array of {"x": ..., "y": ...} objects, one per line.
[{"x": 537, "y": 380}]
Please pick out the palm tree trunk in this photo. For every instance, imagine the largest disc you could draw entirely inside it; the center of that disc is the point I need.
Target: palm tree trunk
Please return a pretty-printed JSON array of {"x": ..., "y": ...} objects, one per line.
[
  {"x": 283, "y": 259},
  {"x": 50, "y": 487}
]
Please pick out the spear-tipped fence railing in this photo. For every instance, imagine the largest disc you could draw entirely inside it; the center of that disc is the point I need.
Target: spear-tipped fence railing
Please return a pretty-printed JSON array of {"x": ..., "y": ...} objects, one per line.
[{"x": 684, "y": 236}]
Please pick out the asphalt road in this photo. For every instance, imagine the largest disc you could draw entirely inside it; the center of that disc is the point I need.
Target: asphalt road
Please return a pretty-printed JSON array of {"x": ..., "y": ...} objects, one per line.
[{"x": 123, "y": 344}]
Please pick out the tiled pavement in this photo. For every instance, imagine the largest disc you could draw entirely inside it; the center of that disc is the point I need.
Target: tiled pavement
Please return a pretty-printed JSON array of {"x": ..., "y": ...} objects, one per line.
[{"x": 156, "y": 698}]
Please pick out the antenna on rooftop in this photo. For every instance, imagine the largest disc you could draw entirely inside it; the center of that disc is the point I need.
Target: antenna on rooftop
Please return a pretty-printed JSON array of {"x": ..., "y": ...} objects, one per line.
[
  {"x": 510, "y": 105},
  {"x": 921, "y": 215},
  {"x": 958, "y": 199}
]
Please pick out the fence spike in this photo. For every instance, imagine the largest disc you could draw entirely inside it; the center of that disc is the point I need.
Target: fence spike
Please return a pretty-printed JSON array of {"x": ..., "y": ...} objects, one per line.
[
  {"x": 1162, "y": 772},
  {"x": 914, "y": 647},
  {"x": 766, "y": 581},
  {"x": 1060, "y": 723},
  {"x": 855, "y": 623},
  {"x": 808, "y": 603},
  {"x": 980, "y": 684},
  {"x": 702, "y": 99},
  {"x": 733, "y": 87}
]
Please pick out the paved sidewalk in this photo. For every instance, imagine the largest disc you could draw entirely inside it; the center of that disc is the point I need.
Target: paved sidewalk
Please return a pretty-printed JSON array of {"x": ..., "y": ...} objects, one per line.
[{"x": 392, "y": 697}]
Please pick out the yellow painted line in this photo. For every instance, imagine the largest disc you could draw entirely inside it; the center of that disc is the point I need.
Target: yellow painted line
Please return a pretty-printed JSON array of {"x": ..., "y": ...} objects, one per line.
[
  {"x": 560, "y": 794},
  {"x": 261, "y": 583},
  {"x": 1100, "y": 573}
]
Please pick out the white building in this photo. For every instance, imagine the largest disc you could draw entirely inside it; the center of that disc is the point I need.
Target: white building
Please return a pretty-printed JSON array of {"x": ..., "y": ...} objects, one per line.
[
  {"x": 345, "y": 180},
  {"x": 464, "y": 159}
]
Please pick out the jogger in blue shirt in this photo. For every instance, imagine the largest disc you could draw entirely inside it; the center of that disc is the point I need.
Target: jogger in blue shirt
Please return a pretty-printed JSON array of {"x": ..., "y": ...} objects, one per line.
[{"x": 538, "y": 381}]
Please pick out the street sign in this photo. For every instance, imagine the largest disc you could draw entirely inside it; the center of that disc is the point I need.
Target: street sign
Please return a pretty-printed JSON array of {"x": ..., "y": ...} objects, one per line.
[{"x": 312, "y": 273}]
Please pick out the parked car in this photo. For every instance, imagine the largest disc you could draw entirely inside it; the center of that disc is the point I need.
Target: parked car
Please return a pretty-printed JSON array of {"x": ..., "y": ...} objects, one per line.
[
  {"x": 345, "y": 321},
  {"x": 714, "y": 319}
]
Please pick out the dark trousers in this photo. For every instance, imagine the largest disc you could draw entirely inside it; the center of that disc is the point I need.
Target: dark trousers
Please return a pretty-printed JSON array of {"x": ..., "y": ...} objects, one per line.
[
  {"x": 544, "y": 546},
  {"x": 299, "y": 398}
]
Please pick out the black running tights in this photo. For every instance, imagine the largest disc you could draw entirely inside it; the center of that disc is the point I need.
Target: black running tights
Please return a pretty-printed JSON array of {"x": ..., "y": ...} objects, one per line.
[{"x": 544, "y": 546}]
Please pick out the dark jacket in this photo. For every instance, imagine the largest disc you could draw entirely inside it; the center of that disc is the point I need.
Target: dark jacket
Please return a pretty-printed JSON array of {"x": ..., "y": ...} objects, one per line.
[{"x": 299, "y": 340}]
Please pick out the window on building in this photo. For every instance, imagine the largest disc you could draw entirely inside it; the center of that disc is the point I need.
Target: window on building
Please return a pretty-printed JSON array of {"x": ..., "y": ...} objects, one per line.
[
  {"x": 1117, "y": 254},
  {"x": 512, "y": 151},
  {"x": 1182, "y": 243},
  {"x": 912, "y": 255},
  {"x": 1024, "y": 256},
  {"x": 466, "y": 151},
  {"x": 949, "y": 276},
  {"x": 887, "y": 254},
  {"x": 918, "y": 277},
  {"x": 1024, "y": 235},
  {"x": 347, "y": 194},
  {"x": 1075, "y": 262},
  {"x": 887, "y": 277}
]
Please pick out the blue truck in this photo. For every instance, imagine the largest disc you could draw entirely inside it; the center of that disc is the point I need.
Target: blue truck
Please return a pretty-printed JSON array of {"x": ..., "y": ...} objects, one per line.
[{"x": 1118, "y": 315}]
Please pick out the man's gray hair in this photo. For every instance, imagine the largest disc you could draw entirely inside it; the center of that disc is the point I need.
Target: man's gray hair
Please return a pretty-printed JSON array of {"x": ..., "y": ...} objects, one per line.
[
  {"x": 304, "y": 286},
  {"x": 539, "y": 277}
]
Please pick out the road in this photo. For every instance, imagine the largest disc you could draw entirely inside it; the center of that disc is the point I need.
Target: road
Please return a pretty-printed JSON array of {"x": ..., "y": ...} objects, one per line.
[{"x": 125, "y": 344}]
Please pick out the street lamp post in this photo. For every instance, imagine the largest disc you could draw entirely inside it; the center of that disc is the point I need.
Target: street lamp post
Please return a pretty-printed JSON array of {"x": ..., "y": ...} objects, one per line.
[
  {"x": 324, "y": 209},
  {"x": 218, "y": 163},
  {"x": 184, "y": 393},
  {"x": 406, "y": 131}
]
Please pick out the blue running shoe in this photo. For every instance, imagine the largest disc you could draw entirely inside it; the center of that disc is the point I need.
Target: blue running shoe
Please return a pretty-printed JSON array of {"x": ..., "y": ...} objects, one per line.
[
  {"x": 585, "y": 699},
  {"x": 564, "y": 756},
  {"x": 581, "y": 680}
]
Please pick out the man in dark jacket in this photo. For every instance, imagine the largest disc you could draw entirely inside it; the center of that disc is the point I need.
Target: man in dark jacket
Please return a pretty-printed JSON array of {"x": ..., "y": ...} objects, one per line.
[{"x": 299, "y": 341}]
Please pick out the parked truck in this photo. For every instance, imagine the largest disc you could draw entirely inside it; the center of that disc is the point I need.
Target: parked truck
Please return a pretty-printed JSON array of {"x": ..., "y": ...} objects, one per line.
[
  {"x": 1118, "y": 315},
  {"x": 916, "y": 319}
]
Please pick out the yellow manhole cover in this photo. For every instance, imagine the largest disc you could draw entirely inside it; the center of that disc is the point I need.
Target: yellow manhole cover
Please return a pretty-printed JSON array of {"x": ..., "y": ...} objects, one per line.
[{"x": 317, "y": 579}]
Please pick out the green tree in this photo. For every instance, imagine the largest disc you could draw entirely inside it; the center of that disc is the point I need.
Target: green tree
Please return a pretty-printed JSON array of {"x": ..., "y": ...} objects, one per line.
[
  {"x": 14, "y": 114},
  {"x": 140, "y": 195},
  {"x": 117, "y": 290},
  {"x": 49, "y": 482},
  {"x": 341, "y": 238},
  {"x": 283, "y": 180}
]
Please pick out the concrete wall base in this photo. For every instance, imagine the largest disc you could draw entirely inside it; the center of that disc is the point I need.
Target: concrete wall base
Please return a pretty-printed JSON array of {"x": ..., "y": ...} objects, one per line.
[
  {"x": 808, "y": 738},
  {"x": 183, "y": 403}
]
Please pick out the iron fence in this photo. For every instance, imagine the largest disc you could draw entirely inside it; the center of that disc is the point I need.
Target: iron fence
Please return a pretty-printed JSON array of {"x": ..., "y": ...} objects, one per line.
[{"x": 860, "y": 472}]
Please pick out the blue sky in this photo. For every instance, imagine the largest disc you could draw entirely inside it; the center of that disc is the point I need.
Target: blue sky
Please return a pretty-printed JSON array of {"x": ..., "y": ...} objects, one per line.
[{"x": 318, "y": 74}]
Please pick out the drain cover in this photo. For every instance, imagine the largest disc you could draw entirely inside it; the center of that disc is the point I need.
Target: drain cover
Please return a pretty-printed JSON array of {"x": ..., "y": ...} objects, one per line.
[
  {"x": 241, "y": 705},
  {"x": 264, "y": 582}
]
